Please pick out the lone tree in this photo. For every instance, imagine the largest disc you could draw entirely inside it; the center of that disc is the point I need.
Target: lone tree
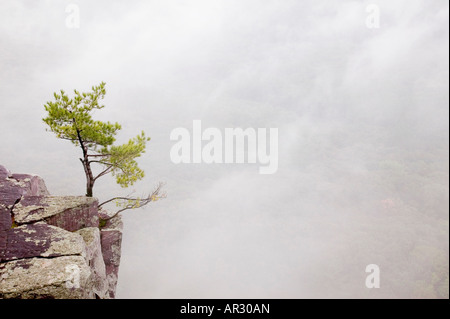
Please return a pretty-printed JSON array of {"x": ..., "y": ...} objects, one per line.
[{"x": 71, "y": 119}]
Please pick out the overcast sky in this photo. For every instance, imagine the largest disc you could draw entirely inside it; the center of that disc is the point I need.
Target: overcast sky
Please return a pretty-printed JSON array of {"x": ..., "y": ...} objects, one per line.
[{"x": 356, "y": 106}]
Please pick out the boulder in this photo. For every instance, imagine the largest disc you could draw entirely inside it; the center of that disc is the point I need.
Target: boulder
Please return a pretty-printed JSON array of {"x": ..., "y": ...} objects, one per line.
[
  {"x": 14, "y": 186},
  {"x": 32, "y": 184},
  {"x": 65, "y": 277}
]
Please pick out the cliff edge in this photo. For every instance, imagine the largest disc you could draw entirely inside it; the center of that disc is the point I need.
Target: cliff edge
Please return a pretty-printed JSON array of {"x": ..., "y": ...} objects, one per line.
[{"x": 53, "y": 246}]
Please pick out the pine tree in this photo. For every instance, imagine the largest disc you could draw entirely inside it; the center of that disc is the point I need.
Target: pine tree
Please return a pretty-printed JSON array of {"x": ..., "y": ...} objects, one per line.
[{"x": 71, "y": 119}]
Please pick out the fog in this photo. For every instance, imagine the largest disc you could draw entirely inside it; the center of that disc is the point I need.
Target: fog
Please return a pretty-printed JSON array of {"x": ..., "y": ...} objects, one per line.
[{"x": 361, "y": 110}]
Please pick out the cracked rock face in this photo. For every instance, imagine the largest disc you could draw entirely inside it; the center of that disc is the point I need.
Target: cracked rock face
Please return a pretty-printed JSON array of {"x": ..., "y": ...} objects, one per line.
[{"x": 51, "y": 246}]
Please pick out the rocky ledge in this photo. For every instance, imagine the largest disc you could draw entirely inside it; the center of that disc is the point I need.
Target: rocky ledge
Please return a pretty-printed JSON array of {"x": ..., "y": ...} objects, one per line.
[{"x": 53, "y": 246}]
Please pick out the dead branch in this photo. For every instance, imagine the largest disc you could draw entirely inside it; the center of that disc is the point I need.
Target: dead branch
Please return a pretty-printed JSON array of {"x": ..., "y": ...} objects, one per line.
[{"x": 136, "y": 202}]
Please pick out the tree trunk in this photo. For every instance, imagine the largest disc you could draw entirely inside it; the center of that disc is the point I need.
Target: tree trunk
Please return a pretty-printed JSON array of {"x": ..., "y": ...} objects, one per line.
[
  {"x": 86, "y": 164},
  {"x": 89, "y": 181},
  {"x": 89, "y": 189},
  {"x": 89, "y": 177}
]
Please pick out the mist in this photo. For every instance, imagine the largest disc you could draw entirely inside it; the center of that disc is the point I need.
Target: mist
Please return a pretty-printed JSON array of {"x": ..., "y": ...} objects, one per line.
[{"x": 362, "y": 117}]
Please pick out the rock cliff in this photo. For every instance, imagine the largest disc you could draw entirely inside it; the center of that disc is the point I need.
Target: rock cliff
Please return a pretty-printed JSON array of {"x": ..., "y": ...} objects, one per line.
[{"x": 53, "y": 246}]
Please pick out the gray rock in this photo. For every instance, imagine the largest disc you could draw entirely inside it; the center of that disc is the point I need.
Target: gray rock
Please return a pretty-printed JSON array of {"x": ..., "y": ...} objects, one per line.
[
  {"x": 95, "y": 261},
  {"x": 66, "y": 277}
]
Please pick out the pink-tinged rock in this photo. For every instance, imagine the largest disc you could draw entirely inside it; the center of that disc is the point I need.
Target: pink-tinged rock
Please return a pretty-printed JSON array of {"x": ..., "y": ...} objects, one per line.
[
  {"x": 41, "y": 240},
  {"x": 111, "y": 238},
  {"x": 111, "y": 245},
  {"x": 9, "y": 193},
  {"x": 14, "y": 186},
  {"x": 5, "y": 225},
  {"x": 3, "y": 242},
  {"x": 34, "y": 185},
  {"x": 77, "y": 217},
  {"x": 55, "y": 235},
  {"x": 68, "y": 212},
  {"x": 4, "y": 173},
  {"x": 94, "y": 259},
  {"x": 5, "y": 218}
]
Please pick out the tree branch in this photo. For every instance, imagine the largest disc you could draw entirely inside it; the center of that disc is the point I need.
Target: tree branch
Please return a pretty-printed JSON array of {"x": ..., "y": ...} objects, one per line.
[
  {"x": 101, "y": 162},
  {"x": 99, "y": 155},
  {"x": 112, "y": 199},
  {"x": 106, "y": 171},
  {"x": 68, "y": 139},
  {"x": 136, "y": 202}
]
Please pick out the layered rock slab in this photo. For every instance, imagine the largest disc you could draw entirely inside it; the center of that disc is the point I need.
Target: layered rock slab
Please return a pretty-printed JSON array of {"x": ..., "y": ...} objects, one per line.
[
  {"x": 65, "y": 277},
  {"x": 68, "y": 212},
  {"x": 40, "y": 240}
]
